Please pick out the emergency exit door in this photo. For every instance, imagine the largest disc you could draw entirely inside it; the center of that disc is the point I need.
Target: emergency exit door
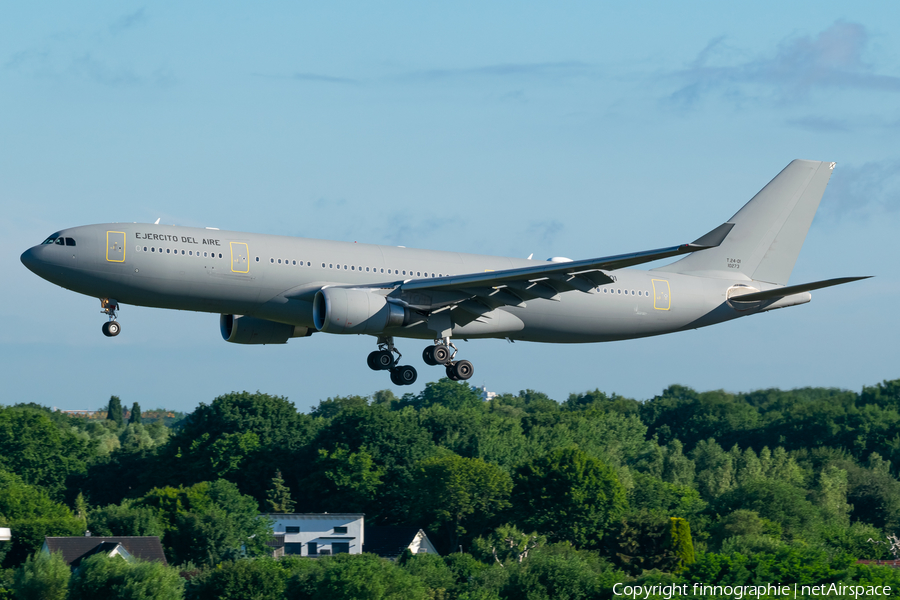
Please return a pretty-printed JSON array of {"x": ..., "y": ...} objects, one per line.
[
  {"x": 662, "y": 299},
  {"x": 240, "y": 257},
  {"x": 115, "y": 246}
]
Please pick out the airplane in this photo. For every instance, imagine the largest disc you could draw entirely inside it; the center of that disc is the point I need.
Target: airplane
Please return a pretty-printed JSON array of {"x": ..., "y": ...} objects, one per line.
[{"x": 268, "y": 289}]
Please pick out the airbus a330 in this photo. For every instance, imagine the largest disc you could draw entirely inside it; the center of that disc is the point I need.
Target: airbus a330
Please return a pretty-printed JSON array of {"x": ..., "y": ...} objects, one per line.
[{"x": 269, "y": 289}]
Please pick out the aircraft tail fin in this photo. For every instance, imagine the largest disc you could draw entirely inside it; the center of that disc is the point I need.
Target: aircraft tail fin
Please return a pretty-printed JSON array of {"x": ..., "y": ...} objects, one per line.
[{"x": 768, "y": 231}]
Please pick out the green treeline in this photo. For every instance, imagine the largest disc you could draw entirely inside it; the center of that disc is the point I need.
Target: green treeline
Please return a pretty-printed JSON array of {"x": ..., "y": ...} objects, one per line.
[{"x": 524, "y": 496}]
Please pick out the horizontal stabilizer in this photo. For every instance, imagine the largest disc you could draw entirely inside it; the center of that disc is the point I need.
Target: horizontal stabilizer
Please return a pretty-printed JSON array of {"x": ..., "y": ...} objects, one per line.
[{"x": 794, "y": 289}]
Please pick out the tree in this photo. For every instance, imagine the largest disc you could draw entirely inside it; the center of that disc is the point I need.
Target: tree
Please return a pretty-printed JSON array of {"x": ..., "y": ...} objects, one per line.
[
  {"x": 114, "y": 412},
  {"x": 135, "y": 417},
  {"x": 125, "y": 519},
  {"x": 114, "y": 578},
  {"x": 39, "y": 451},
  {"x": 507, "y": 544},
  {"x": 354, "y": 577},
  {"x": 44, "y": 576},
  {"x": 680, "y": 543},
  {"x": 32, "y": 514},
  {"x": 261, "y": 578},
  {"x": 559, "y": 572},
  {"x": 208, "y": 522},
  {"x": 279, "y": 497},
  {"x": 451, "y": 394},
  {"x": 462, "y": 494},
  {"x": 568, "y": 495},
  {"x": 331, "y": 407}
]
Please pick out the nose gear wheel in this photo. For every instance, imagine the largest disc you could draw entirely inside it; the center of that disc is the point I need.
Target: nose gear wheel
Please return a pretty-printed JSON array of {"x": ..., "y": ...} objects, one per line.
[{"x": 111, "y": 328}]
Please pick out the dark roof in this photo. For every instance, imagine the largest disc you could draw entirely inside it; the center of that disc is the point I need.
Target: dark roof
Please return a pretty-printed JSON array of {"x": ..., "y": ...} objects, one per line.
[
  {"x": 74, "y": 549},
  {"x": 389, "y": 541}
]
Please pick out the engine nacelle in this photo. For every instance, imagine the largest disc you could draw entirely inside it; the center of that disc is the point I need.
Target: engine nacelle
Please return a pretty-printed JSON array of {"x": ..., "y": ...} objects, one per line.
[
  {"x": 339, "y": 310},
  {"x": 240, "y": 329}
]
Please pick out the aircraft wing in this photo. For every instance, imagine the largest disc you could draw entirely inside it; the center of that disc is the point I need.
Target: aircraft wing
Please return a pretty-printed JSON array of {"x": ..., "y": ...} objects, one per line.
[
  {"x": 583, "y": 275},
  {"x": 479, "y": 293}
]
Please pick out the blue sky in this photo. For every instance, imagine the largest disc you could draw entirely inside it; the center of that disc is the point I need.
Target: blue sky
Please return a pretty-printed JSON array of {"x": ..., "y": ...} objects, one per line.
[{"x": 578, "y": 130}]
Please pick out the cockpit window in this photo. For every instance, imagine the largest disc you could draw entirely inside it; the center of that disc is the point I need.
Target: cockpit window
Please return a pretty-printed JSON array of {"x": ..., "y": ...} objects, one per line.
[
  {"x": 70, "y": 241},
  {"x": 59, "y": 241},
  {"x": 50, "y": 240}
]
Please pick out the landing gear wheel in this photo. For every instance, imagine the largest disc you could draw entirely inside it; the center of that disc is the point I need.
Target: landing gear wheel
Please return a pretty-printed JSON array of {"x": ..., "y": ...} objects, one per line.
[
  {"x": 405, "y": 375},
  {"x": 440, "y": 354},
  {"x": 451, "y": 373},
  {"x": 111, "y": 329},
  {"x": 436, "y": 355},
  {"x": 427, "y": 356},
  {"x": 383, "y": 360},
  {"x": 371, "y": 361},
  {"x": 460, "y": 371}
]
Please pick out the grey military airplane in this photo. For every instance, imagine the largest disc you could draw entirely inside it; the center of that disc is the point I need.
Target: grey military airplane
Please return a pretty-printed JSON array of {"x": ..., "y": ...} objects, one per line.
[{"x": 269, "y": 289}]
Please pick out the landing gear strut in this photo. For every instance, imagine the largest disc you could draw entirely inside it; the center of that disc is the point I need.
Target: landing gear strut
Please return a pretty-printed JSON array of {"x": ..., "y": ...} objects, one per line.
[
  {"x": 111, "y": 328},
  {"x": 383, "y": 360},
  {"x": 439, "y": 354}
]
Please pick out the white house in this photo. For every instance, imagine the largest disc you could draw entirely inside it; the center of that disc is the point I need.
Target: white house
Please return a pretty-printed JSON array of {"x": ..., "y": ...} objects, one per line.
[{"x": 318, "y": 534}]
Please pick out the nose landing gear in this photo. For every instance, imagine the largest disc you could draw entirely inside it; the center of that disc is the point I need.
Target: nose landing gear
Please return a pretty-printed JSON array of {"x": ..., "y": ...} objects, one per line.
[
  {"x": 439, "y": 354},
  {"x": 111, "y": 328},
  {"x": 383, "y": 360}
]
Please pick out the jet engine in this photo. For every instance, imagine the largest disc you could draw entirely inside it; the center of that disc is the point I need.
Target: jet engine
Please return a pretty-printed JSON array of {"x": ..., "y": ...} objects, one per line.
[
  {"x": 240, "y": 329},
  {"x": 341, "y": 310}
]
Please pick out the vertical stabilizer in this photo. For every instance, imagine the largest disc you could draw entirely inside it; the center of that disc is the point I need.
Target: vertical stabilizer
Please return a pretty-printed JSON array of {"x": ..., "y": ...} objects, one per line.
[{"x": 768, "y": 231}]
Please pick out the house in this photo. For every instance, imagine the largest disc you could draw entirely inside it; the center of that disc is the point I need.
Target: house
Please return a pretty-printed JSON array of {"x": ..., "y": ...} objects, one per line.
[
  {"x": 390, "y": 542},
  {"x": 76, "y": 549},
  {"x": 5, "y": 534},
  {"x": 317, "y": 534}
]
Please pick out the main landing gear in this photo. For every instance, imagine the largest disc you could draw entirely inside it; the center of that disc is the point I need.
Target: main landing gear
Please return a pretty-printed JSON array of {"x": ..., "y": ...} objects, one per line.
[
  {"x": 440, "y": 354},
  {"x": 111, "y": 328},
  {"x": 383, "y": 360}
]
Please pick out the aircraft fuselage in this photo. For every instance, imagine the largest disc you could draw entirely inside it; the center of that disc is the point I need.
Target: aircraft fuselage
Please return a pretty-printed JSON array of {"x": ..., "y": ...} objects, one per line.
[{"x": 275, "y": 278}]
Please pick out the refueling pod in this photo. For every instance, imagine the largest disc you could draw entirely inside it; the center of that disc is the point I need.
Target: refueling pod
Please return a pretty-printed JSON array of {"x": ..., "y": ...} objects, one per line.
[{"x": 242, "y": 329}]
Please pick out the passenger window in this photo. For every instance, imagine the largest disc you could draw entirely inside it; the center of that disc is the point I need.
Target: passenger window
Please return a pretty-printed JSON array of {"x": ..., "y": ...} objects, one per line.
[
  {"x": 272, "y": 260},
  {"x": 295, "y": 263},
  {"x": 257, "y": 259},
  {"x": 70, "y": 241},
  {"x": 279, "y": 261},
  {"x": 220, "y": 255},
  {"x": 352, "y": 268},
  {"x": 152, "y": 249},
  {"x": 418, "y": 273},
  {"x": 345, "y": 267}
]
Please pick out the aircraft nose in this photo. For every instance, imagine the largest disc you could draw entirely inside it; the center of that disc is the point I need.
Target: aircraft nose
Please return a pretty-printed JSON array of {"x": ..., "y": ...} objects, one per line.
[
  {"x": 32, "y": 259},
  {"x": 29, "y": 259}
]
